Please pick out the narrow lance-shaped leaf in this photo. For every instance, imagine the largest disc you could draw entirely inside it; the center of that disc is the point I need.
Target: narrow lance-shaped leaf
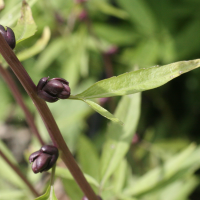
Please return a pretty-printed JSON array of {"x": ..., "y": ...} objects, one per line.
[
  {"x": 64, "y": 173},
  {"x": 26, "y": 26},
  {"x": 87, "y": 147},
  {"x": 37, "y": 47},
  {"x": 161, "y": 174},
  {"x": 49, "y": 194},
  {"x": 139, "y": 80},
  {"x": 102, "y": 111},
  {"x": 119, "y": 137}
]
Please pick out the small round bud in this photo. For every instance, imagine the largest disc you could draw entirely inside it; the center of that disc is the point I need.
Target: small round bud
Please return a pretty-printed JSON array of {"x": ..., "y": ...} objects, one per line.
[
  {"x": 54, "y": 89},
  {"x": 44, "y": 159},
  {"x": 9, "y": 36}
]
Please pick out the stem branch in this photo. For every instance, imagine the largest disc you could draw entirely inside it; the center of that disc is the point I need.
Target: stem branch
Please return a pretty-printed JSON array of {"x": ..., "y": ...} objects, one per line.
[
  {"x": 47, "y": 118},
  {"x": 19, "y": 173},
  {"x": 18, "y": 97}
]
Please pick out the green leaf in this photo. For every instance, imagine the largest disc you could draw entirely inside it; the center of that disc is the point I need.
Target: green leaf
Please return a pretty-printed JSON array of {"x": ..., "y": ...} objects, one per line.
[
  {"x": 49, "y": 194},
  {"x": 72, "y": 189},
  {"x": 12, "y": 194},
  {"x": 89, "y": 164},
  {"x": 53, "y": 50},
  {"x": 26, "y": 26},
  {"x": 11, "y": 12},
  {"x": 184, "y": 188},
  {"x": 139, "y": 80},
  {"x": 102, "y": 111},
  {"x": 109, "y": 9},
  {"x": 119, "y": 176},
  {"x": 6, "y": 172},
  {"x": 162, "y": 174},
  {"x": 120, "y": 137},
  {"x": 64, "y": 173},
  {"x": 37, "y": 47}
]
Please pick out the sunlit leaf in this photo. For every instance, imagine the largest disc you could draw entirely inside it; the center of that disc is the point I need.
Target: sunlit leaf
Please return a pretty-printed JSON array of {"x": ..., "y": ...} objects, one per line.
[
  {"x": 49, "y": 194},
  {"x": 53, "y": 50},
  {"x": 6, "y": 172},
  {"x": 37, "y": 47},
  {"x": 12, "y": 194},
  {"x": 184, "y": 187},
  {"x": 163, "y": 173},
  {"x": 119, "y": 176},
  {"x": 139, "y": 80},
  {"x": 12, "y": 13},
  {"x": 26, "y": 26},
  {"x": 64, "y": 173}
]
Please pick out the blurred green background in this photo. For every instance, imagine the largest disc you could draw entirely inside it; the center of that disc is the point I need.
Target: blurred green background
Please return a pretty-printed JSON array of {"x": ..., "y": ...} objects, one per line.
[{"x": 104, "y": 38}]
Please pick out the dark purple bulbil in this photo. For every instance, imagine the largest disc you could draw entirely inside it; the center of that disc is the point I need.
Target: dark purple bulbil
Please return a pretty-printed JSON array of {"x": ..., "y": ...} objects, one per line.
[
  {"x": 9, "y": 36},
  {"x": 44, "y": 159},
  {"x": 85, "y": 198},
  {"x": 54, "y": 89}
]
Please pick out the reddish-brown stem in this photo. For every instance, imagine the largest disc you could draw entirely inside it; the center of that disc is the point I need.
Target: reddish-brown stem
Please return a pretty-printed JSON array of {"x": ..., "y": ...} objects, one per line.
[
  {"x": 18, "y": 97},
  {"x": 47, "y": 118},
  {"x": 19, "y": 173}
]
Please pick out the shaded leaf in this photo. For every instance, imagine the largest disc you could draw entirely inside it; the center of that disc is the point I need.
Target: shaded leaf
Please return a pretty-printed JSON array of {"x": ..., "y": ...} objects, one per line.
[
  {"x": 140, "y": 14},
  {"x": 64, "y": 173},
  {"x": 102, "y": 111},
  {"x": 26, "y": 26},
  {"x": 89, "y": 164},
  {"x": 139, "y": 80}
]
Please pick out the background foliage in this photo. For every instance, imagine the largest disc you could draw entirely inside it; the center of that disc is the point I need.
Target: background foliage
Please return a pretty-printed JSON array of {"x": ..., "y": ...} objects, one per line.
[{"x": 162, "y": 161}]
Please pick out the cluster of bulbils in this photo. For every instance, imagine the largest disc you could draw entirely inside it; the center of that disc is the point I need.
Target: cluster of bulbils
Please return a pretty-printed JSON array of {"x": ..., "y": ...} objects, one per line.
[{"x": 51, "y": 91}]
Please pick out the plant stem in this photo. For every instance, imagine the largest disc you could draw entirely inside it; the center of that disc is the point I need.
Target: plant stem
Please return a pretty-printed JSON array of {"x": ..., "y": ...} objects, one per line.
[
  {"x": 53, "y": 170},
  {"x": 18, "y": 97},
  {"x": 19, "y": 173},
  {"x": 47, "y": 118}
]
